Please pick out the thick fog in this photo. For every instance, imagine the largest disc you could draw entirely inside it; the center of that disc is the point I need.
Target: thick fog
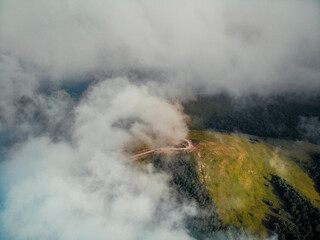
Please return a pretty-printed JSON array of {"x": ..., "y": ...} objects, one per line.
[
  {"x": 63, "y": 173},
  {"x": 86, "y": 188},
  {"x": 181, "y": 46}
]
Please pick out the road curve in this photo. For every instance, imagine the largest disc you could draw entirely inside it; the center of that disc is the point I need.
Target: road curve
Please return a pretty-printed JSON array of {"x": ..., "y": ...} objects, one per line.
[{"x": 188, "y": 148}]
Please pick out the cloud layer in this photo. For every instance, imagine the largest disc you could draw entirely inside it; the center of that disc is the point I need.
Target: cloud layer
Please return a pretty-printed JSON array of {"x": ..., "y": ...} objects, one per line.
[
  {"x": 178, "y": 47},
  {"x": 85, "y": 188},
  {"x": 233, "y": 45}
]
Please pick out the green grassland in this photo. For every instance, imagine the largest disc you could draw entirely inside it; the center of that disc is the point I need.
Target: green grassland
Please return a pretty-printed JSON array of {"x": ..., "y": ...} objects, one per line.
[{"x": 236, "y": 169}]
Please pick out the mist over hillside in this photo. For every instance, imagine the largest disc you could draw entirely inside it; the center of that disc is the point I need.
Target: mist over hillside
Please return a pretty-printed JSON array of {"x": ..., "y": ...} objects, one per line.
[{"x": 287, "y": 116}]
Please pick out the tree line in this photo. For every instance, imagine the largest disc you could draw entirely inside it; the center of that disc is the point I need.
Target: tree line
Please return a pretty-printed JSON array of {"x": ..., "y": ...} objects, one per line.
[{"x": 303, "y": 220}]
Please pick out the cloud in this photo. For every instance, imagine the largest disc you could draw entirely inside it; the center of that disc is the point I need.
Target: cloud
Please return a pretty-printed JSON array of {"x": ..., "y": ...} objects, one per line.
[
  {"x": 15, "y": 83},
  {"x": 232, "y": 45},
  {"x": 180, "y": 48},
  {"x": 51, "y": 196},
  {"x": 85, "y": 188},
  {"x": 309, "y": 128},
  {"x": 148, "y": 118}
]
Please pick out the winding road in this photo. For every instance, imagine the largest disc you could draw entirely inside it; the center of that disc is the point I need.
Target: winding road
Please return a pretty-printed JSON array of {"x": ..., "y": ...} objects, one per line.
[{"x": 188, "y": 148}]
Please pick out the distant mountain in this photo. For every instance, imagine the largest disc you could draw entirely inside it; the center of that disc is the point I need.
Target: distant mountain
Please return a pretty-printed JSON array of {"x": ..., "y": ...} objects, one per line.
[{"x": 287, "y": 116}]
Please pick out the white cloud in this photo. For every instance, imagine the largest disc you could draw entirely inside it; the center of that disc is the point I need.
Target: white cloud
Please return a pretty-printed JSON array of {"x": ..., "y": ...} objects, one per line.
[
  {"x": 86, "y": 189},
  {"x": 179, "y": 47},
  {"x": 234, "y": 45}
]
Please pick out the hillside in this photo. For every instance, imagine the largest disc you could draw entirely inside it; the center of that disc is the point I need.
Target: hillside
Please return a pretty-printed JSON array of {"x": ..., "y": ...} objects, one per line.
[{"x": 237, "y": 171}]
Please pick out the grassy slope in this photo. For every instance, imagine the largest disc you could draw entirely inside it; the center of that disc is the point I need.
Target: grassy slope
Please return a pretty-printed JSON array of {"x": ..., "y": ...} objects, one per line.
[{"x": 234, "y": 169}]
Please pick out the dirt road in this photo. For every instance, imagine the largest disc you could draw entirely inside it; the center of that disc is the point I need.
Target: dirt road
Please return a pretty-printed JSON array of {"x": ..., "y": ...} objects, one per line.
[{"x": 188, "y": 148}]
